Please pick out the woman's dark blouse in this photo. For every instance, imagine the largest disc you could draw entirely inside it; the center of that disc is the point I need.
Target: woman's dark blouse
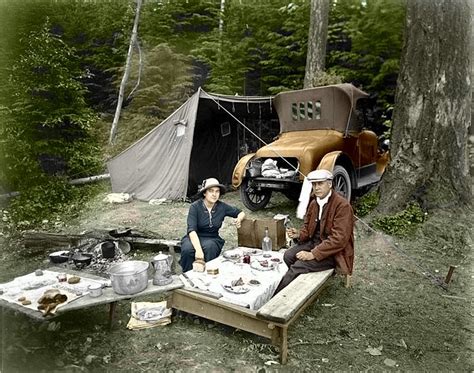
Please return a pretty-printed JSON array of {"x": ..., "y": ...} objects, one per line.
[{"x": 205, "y": 223}]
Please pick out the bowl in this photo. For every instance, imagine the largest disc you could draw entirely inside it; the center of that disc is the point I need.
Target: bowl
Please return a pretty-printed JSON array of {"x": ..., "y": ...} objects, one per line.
[
  {"x": 59, "y": 257},
  {"x": 129, "y": 277}
]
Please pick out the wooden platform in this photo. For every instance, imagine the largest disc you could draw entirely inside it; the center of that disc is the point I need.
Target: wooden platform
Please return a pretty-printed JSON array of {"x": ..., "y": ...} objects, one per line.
[{"x": 271, "y": 321}]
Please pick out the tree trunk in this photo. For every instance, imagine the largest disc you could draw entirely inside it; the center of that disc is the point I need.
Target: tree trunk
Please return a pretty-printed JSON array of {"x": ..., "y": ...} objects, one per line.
[
  {"x": 133, "y": 39},
  {"x": 432, "y": 111},
  {"x": 317, "y": 38}
]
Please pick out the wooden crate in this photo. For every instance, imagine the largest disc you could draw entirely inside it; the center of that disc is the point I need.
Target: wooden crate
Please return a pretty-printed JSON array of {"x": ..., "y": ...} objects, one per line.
[{"x": 252, "y": 231}]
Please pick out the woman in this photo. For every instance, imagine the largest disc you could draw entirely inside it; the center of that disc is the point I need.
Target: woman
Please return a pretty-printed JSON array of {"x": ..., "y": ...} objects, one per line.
[{"x": 202, "y": 242}]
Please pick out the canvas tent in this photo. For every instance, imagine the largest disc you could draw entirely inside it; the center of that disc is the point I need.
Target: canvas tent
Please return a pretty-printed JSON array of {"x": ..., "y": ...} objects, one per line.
[{"x": 201, "y": 139}]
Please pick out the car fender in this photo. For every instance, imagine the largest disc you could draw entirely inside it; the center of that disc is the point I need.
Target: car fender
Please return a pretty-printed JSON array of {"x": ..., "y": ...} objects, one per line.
[
  {"x": 240, "y": 168},
  {"x": 329, "y": 160}
]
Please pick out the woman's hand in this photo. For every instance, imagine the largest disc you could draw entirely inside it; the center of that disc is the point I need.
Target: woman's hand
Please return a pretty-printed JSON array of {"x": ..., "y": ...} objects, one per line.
[
  {"x": 293, "y": 232},
  {"x": 238, "y": 219}
]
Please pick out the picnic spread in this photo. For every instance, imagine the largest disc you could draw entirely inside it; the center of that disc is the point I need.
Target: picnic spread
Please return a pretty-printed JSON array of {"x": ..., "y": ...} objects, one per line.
[
  {"x": 237, "y": 288},
  {"x": 49, "y": 288},
  {"x": 249, "y": 285}
]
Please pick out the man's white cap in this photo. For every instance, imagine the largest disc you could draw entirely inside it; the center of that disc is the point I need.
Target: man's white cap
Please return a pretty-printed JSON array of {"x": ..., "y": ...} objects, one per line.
[{"x": 319, "y": 175}]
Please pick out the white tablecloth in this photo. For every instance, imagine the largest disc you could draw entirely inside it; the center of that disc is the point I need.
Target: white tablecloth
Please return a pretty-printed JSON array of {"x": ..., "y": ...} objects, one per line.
[{"x": 234, "y": 269}]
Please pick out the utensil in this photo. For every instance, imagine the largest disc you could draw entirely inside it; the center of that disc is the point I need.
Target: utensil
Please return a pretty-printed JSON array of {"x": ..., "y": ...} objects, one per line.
[
  {"x": 95, "y": 290},
  {"x": 129, "y": 277},
  {"x": 189, "y": 280},
  {"x": 162, "y": 265},
  {"x": 120, "y": 233}
]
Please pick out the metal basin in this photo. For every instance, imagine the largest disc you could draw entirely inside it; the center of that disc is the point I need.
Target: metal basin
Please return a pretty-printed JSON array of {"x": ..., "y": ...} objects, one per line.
[{"x": 129, "y": 277}]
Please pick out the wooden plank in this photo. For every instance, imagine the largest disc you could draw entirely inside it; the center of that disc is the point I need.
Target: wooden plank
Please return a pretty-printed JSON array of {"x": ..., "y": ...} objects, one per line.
[
  {"x": 153, "y": 241},
  {"x": 220, "y": 311},
  {"x": 282, "y": 307}
]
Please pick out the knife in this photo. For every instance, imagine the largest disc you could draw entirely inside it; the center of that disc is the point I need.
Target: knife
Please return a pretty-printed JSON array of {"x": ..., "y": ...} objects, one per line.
[{"x": 188, "y": 279}]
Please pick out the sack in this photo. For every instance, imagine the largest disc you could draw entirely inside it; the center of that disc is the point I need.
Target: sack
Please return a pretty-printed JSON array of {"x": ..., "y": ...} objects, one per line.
[{"x": 252, "y": 231}]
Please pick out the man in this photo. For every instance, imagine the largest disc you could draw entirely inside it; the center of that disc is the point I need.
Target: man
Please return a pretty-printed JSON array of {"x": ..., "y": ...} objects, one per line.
[{"x": 326, "y": 239}]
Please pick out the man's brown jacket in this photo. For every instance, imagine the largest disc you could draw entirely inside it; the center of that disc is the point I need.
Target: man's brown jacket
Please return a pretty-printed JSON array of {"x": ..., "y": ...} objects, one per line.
[{"x": 336, "y": 231}]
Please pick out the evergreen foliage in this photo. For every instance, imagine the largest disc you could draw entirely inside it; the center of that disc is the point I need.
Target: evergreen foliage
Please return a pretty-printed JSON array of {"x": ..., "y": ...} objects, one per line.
[
  {"x": 65, "y": 73},
  {"x": 45, "y": 133}
]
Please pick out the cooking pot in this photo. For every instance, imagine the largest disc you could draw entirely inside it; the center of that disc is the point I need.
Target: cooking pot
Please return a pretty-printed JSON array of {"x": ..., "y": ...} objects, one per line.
[
  {"x": 95, "y": 290},
  {"x": 108, "y": 249},
  {"x": 82, "y": 260},
  {"x": 129, "y": 277},
  {"x": 59, "y": 257}
]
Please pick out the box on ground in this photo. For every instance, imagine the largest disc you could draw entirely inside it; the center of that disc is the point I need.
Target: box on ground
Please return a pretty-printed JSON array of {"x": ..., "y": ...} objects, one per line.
[{"x": 252, "y": 231}]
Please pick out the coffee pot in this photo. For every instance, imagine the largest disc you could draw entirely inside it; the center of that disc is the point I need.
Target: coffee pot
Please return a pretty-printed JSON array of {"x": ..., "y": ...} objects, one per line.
[{"x": 162, "y": 265}]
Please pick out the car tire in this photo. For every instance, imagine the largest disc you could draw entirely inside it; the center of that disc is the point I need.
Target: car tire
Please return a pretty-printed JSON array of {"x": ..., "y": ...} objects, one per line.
[
  {"x": 251, "y": 198},
  {"x": 342, "y": 182}
]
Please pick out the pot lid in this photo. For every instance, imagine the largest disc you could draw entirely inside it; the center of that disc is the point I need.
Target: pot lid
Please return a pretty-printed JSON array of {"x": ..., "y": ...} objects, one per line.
[{"x": 161, "y": 256}]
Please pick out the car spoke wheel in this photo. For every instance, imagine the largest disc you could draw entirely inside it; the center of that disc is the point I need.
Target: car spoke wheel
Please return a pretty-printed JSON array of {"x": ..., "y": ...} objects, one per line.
[
  {"x": 252, "y": 198},
  {"x": 342, "y": 182}
]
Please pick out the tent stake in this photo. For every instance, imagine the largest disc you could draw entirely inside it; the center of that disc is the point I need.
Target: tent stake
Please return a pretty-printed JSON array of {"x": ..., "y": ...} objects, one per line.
[{"x": 449, "y": 275}]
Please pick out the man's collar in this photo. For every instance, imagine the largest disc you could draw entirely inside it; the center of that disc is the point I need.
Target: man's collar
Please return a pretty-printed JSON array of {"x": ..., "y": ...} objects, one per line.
[{"x": 323, "y": 201}]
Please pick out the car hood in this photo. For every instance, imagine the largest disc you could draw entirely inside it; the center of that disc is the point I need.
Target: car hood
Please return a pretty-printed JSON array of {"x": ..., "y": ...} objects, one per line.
[{"x": 299, "y": 143}]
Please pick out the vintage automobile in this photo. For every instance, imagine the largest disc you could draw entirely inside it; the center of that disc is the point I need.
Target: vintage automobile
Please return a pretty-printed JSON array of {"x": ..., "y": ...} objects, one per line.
[{"x": 320, "y": 128}]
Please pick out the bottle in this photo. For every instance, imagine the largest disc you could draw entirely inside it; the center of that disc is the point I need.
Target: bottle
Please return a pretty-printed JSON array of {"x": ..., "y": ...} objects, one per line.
[{"x": 266, "y": 244}]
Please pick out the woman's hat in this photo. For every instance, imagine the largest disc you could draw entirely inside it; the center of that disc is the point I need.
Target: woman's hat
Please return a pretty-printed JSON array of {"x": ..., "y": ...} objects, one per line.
[{"x": 209, "y": 183}]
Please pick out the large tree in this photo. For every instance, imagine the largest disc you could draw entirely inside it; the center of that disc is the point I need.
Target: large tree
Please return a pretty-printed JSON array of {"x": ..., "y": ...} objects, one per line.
[
  {"x": 432, "y": 113},
  {"x": 317, "y": 39}
]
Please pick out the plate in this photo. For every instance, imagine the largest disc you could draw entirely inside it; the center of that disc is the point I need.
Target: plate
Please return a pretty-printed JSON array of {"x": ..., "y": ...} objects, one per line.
[
  {"x": 236, "y": 289},
  {"x": 252, "y": 252},
  {"x": 260, "y": 265},
  {"x": 232, "y": 255}
]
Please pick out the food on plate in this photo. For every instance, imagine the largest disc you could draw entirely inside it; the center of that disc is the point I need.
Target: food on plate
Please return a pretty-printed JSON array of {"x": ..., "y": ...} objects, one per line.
[
  {"x": 238, "y": 282},
  {"x": 26, "y": 302},
  {"x": 254, "y": 282},
  {"x": 231, "y": 255},
  {"x": 50, "y": 300},
  {"x": 263, "y": 263},
  {"x": 21, "y": 299},
  {"x": 276, "y": 260}
]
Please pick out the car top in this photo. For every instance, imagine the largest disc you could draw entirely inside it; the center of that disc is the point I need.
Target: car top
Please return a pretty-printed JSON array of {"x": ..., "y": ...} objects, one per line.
[{"x": 328, "y": 107}]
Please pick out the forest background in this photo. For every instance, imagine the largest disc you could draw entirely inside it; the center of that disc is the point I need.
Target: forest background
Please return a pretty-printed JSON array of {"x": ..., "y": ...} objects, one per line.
[{"x": 63, "y": 61}]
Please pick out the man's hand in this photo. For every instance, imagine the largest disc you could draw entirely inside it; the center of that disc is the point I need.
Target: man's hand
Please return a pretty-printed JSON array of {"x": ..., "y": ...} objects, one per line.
[
  {"x": 305, "y": 255},
  {"x": 293, "y": 232}
]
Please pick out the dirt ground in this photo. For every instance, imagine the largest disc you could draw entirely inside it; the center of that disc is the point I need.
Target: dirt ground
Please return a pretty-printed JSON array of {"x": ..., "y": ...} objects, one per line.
[{"x": 394, "y": 318}]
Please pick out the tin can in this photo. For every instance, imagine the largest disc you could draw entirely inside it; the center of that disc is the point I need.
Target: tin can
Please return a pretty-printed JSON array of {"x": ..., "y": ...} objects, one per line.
[{"x": 246, "y": 259}]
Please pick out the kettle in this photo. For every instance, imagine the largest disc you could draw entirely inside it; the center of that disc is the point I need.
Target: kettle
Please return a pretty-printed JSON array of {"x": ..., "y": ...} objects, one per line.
[{"x": 162, "y": 265}]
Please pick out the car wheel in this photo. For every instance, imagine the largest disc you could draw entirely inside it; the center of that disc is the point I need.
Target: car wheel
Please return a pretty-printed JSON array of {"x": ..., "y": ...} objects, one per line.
[
  {"x": 254, "y": 199},
  {"x": 342, "y": 182}
]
